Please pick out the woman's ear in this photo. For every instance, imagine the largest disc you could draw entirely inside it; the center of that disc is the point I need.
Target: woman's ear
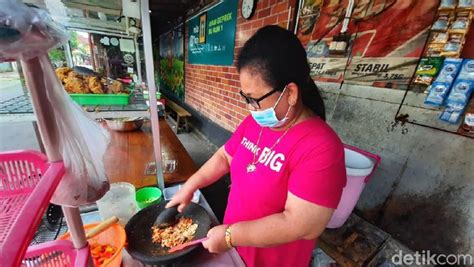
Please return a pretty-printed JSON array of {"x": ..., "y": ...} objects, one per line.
[{"x": 292, "y": 93}]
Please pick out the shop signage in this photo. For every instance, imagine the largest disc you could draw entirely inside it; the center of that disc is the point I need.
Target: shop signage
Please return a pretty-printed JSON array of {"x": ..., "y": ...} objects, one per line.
[
  {"x": 330, "y": 68},
  {"x": 211, "y": 35},
  {"x": 397, "y": 70}
]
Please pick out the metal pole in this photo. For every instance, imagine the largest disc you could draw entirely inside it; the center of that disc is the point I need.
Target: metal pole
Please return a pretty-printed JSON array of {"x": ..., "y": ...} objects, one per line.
[
  {"x": 150, "y": 70},
  {"x": 92, "y": 30},
  {"x": 67, "y": 51},
  {"x": 91, "y": 47},
  {"x": 298, "y": 11},
  {"x": 345, "y": 23},
  {"x": 138, "y": 60},
  {"x": 33, "y": 72}
]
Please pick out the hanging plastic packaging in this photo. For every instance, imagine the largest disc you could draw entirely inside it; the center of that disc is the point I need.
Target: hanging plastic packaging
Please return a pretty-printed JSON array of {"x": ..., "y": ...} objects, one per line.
[
  {"x": 467, "y": 70},
  {"x": 448, "y": 4},
  {"x": 83, "y": 143},
  {"x": 26, "y": 32},
  {"x": 437, "y": 94},
  {"x": 449, "y": 71},
  {"x": 466, "y": 4},
  {"x": 460, "y": 94},
  {"x": 440, "y": 88}
]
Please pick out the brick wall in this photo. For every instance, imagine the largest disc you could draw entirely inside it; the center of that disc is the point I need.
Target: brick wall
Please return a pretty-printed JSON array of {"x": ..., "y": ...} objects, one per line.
[{"x": 214, "y": 90}]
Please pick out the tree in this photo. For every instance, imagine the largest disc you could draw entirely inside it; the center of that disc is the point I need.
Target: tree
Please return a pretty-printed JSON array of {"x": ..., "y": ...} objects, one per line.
[
  {"x": 57, "y": 56},
  {"x": 73, "y": 41}
]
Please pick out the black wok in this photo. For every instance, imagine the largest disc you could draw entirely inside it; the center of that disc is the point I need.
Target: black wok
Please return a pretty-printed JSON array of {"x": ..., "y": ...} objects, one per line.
[{"x": 140, "y": 245}]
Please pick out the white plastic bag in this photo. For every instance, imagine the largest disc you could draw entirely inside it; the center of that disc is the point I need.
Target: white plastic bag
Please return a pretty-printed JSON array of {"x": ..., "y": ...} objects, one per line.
[
  {"x": 83, "y": 143},
  {"x": 26, "y": 32}
]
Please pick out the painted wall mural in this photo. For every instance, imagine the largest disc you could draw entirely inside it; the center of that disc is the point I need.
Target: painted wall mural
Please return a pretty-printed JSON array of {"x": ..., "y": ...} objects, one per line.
[{"x": 171, "y": 60}]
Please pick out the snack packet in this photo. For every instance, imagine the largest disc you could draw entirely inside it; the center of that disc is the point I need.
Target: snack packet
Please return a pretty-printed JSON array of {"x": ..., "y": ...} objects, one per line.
[
  {"x": 439, "y": 38},
  {"x": 454, "y": 45},
  {"x": 461, "y": 23},
  {"x": 448, "y": 4},
  {"x": 450, "y": 70},
  {"x": 441, "y": 23},
  {"x": 460, "y": 92},
  {"x": 467, "y": 70},
  {"x": 429, "y": 66},
  {"x": 424, "y": 80},
  {"x": 438, "y": 92},
  {"x": 452, "y": 114},
  {"x": 466, "y": 4}
]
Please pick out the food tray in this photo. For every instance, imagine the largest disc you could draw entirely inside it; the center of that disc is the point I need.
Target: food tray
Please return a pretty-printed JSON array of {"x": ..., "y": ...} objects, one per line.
[
  {"x": 101, "y": 99},
  {"x": 27, "y": 183},
  {"x": 56, "y": 253}
]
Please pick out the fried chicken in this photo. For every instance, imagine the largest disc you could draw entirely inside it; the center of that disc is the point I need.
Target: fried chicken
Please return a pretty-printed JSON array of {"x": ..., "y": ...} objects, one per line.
[
  {"x": 95, "y": 86},
  {"x": 63, "y": 73},
  {"x": 116, "y": 87},
  {"x": 74, "y": 84}
]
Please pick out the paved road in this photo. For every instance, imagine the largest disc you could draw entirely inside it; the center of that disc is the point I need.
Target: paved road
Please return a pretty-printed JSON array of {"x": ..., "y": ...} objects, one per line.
[
  {"x": 10, "y": 85},
  {"x": 18, "y": 135}
]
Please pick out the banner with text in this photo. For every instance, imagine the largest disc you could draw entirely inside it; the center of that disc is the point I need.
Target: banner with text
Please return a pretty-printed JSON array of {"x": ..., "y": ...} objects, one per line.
[
  {"x": 386, "y": 39},
  {"x": 211, "y": 35},
  {"x": 381, "y": 72}
]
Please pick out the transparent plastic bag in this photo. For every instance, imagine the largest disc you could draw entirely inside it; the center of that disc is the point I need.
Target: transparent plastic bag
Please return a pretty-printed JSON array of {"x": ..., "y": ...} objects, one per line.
[
  {"x": 83, "y": 143},
  {"x": 26, "y": 32}
]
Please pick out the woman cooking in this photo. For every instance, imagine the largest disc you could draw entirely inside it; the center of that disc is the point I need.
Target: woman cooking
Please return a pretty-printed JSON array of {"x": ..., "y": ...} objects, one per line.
[{"x": 286, "y": 164}]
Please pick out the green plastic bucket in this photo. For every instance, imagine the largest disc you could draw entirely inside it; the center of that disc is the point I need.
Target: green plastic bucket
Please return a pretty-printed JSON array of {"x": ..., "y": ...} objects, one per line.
[{"x": 148, "y": 196}]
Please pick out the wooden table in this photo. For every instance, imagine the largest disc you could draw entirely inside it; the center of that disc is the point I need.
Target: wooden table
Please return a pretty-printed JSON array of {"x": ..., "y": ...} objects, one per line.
[{"x": 130, "y": 152}]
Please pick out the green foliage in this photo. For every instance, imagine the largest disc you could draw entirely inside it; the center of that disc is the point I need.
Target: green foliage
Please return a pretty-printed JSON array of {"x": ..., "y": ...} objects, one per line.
[
  {"x": 73, "y": 41},
  {"x": 57, "y": 56}
]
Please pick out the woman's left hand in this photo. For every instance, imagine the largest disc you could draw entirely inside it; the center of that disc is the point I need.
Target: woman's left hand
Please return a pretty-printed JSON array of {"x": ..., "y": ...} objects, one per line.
[{"x": 216, "y": 239}]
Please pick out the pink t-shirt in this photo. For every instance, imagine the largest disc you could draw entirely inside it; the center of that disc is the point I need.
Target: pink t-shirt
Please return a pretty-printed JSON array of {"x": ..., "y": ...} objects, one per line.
[{"x": 308, "y": 162}]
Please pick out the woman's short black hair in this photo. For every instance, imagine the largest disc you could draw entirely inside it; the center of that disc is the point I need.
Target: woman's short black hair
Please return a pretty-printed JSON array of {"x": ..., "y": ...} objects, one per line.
[{"x": 278, "y": 56}]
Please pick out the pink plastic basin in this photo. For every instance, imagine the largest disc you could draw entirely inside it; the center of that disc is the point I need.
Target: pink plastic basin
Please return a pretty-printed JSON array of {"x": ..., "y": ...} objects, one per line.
[{"x": 360, "y": 165}]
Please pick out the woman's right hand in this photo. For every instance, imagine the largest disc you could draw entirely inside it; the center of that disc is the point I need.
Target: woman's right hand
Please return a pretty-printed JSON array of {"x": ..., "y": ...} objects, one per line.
[{"x": 182, "y": 198}]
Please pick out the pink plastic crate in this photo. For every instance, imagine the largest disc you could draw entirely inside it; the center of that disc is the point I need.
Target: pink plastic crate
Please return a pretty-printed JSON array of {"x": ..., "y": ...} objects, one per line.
[
  {"x": 59, "y": 253},
  {"x": 27, "y": 183}
]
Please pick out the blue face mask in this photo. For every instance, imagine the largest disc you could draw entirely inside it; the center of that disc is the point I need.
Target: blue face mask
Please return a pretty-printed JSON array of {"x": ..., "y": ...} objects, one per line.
[{"x": 268, "y": 118}]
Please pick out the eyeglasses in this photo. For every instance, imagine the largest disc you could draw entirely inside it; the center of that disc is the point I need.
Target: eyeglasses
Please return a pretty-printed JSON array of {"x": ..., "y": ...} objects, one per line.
[{"x": 255, "y": 102}]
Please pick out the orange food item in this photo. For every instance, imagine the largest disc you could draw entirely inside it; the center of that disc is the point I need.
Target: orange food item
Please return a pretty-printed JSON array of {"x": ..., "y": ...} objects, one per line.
[
  {"x": 116, "y": 87},
  {"x": 74, "y": 83},
  {"x": 95, "y": 86},
  {"x": 101, "y": 253},
  {"x": 174, "y": 235},
  {"x": 63, "y": 73}
]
